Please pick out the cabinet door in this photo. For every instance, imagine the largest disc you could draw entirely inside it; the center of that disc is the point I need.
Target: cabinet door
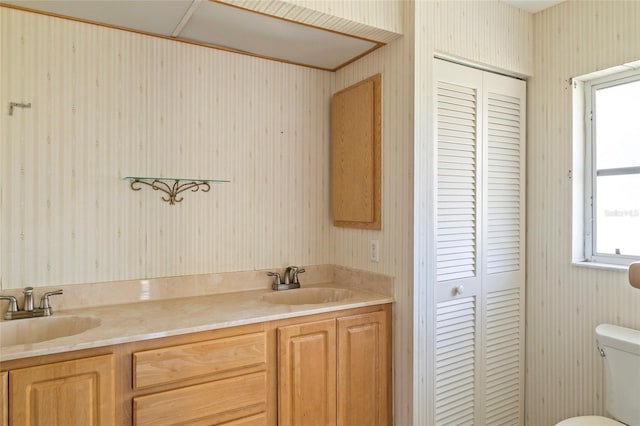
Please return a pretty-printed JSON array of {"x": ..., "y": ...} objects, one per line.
[
  {"x": 4, "y": 395},
  {"x": 363, "y": 374},
  {"x": 79, "y": 392},
  {"x": 307, "y": 374},
  {"x": 356, "y": 134}
]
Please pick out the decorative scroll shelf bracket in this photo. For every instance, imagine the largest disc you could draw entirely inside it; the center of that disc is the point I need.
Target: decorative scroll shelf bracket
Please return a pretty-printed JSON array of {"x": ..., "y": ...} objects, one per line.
[{"x": 172, "y": 187}]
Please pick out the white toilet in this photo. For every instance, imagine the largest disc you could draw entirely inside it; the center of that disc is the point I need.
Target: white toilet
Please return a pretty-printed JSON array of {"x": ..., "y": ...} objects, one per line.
[{"x": 620, "y": 350}]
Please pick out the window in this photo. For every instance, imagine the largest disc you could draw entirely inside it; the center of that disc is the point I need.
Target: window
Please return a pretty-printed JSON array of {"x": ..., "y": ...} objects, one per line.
[{"x": 612, "y": 168}]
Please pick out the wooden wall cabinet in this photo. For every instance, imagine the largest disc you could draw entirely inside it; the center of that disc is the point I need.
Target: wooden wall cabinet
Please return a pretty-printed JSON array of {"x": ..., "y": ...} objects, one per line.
[
  {"x": 356, "y": 156},
  {"x": 78, "y": 392},
  {"x": 335, "y": 372}
]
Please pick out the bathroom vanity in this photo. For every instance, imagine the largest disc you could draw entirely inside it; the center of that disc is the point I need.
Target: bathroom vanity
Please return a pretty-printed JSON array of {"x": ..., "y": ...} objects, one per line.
[{"x": 254, "y": 361}]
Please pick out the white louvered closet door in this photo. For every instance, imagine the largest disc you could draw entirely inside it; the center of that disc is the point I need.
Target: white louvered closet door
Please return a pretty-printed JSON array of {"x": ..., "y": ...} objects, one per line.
[
  {"x": 459, "y": 257},
  {"x": 480, "y": 247},
  {"x": 503, "y": 243}
]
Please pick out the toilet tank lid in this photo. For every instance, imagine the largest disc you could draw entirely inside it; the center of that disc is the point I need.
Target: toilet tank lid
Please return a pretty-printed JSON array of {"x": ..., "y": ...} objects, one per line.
[{"x": 622, "y": 338}]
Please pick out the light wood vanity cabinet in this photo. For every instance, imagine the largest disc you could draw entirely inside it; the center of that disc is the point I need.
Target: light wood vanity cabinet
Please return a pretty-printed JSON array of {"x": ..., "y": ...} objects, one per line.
[
  {"x": 335, "y": 372},
  {"x": 307, "y": 374},
  {"x": 364, "y": 375},
  {"x": 235, "y": 386},
  {"x": 328, "y": 369},
  {"x": 4, "y": 398},
  {"x": 76, "y": 392}
]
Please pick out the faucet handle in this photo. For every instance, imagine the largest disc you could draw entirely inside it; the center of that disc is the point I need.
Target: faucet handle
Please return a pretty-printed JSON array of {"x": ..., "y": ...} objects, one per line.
[
  {"x": 13, "y": 303},
  {"x": 276, "y": 278},
  {"x": 45, "y": 303},
  {"x": 295, "y": 274}
]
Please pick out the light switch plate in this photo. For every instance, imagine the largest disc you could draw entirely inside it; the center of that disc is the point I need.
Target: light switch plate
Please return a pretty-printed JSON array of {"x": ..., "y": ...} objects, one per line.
[{"x": 374, "y": 250}]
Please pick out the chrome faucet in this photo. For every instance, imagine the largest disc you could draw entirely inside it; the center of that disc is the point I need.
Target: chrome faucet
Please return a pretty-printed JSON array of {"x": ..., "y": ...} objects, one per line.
[
  {"x": 288, "y": 274},
  {"x": 27, "y": 304},
  {"x": 291, "y": 279},
  {"x": 294, "y": 271},
  {"x": 28, "y": 311}
]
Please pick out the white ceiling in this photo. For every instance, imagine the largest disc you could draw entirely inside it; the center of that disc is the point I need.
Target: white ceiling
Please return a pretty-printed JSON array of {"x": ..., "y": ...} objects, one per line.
[
  {"x": 226, "y": 26},
  {"x": 533, "y": 6},
  {"x": 214, "y": 23}
]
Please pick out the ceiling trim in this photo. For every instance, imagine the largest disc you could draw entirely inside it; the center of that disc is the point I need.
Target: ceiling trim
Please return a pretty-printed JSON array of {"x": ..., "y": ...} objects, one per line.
[
  {"x": 187, "y": 15},
  {"x": 377, "y": 44}
]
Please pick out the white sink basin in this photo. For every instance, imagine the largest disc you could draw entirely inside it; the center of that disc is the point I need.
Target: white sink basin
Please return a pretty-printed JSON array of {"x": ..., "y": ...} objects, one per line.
[
  {"x": 35, "y": 330},
  {"x": 308, "y": 296}
]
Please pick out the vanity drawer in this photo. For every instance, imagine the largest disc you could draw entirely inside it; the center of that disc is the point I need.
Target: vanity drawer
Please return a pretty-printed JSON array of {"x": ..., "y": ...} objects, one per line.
[
  {"x": 238, "y": 400},
  {"x": 197, "y": 360}
]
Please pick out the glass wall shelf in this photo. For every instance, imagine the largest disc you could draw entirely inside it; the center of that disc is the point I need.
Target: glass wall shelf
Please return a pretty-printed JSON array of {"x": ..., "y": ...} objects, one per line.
[{"x": 172, "y": 186}]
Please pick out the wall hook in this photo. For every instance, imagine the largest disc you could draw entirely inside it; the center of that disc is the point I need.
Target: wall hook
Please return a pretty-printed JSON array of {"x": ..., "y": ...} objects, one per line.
[{"x": 13, "y": 105}]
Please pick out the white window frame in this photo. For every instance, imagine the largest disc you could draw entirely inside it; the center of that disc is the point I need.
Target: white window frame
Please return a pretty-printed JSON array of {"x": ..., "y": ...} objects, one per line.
[{"x": 590, "y": 172}]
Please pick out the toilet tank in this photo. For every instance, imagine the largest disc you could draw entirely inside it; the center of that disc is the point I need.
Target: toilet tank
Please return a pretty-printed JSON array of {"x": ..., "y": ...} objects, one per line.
[{"x": 620, "y": 348}]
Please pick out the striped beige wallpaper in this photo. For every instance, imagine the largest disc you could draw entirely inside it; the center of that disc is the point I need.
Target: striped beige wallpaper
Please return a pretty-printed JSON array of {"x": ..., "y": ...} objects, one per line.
[
  {"x": 350, "y": 246},
  {"x": 489, "y": 33},
  {"x": 565, "y": 302},
  {"x": 137, "y": 105},
  {"x": 108, "y": 104}
]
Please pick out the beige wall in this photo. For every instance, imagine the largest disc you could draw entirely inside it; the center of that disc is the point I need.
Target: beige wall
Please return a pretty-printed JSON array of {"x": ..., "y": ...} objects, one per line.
[
  {"x": 149, "y": 106},
  {"x": 565, "y": 302},
  {"x": 489, "y": 33},
  {"x": 350, "y": 246},
  {"x": 108, "y": 104},
  {"x": 264, "y": 125}
]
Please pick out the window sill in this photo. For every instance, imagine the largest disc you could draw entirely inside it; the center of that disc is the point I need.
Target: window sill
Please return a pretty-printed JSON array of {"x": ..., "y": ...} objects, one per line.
[{"x": 600, "y": 266}]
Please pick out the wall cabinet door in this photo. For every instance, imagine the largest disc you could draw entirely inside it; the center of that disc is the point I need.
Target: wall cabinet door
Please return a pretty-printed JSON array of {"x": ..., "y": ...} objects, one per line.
[
  {"x": 307, "y": 374},
  {"x": 356, "y": 159},
  {"x": 79, "y": 392},
  {"x": 480, "y": 246},
  {"x": 363, "y": 376}
]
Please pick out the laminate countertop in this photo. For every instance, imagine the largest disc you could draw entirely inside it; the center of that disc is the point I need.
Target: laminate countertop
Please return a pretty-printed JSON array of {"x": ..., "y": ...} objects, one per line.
[{"x": 143, "y": 320}]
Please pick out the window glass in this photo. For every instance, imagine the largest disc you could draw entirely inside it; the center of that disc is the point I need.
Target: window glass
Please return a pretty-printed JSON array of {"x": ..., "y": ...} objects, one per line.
[
  {"x": 618, "y": 215},
  {"x": 618, "y": 126},
  {"x": 616, "y": 197}
]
